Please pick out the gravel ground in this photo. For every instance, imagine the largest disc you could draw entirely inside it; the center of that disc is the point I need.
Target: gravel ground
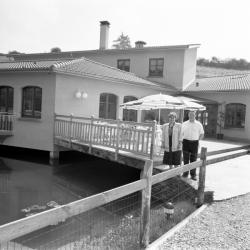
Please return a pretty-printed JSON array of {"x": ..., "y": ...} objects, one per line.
[{"x": 222, "y": 225}]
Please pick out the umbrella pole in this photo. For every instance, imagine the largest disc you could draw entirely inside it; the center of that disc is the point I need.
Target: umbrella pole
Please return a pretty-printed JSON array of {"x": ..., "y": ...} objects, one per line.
[
  {"x": 159, "y": 118},
  {"x": 181, "y": 115}
]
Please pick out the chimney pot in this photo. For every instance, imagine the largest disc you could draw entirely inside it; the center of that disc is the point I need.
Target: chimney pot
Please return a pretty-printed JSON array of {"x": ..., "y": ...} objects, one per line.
[
  {"x": 140, "y": 44},
  {"x": 104, "y": 34}
]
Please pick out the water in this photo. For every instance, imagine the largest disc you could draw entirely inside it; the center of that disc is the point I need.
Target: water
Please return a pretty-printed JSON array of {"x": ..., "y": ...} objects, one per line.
[{"x": 28, "y": 184}]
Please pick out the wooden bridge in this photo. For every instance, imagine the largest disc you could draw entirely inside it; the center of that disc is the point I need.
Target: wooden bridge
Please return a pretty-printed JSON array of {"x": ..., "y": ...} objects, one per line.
[{"x": 128, "y": 143}]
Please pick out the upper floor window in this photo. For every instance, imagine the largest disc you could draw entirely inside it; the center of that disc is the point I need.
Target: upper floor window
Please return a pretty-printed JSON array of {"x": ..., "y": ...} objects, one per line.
[
  {"x": 235, "y": 115},
  {"x": 32, "y": 102},
  {"x": 129, "y": 115},
  {"x": 123, "y": 64},
  {"x": 108, "y": 106},
  {"x": 156, "y": 66},
  {"x": 6, "y": 99}
]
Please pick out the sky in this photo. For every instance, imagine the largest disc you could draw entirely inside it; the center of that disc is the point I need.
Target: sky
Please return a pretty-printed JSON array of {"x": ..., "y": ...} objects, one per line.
[{"x": 36, "y": 26}]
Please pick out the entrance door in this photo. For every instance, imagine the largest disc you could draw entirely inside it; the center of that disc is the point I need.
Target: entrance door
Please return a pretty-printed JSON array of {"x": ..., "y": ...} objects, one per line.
[{"x": 211, "y": 125}]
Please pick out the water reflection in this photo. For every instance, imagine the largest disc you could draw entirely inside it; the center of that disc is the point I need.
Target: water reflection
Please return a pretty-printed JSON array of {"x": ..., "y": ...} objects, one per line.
[{"x": 29, "y": 187}]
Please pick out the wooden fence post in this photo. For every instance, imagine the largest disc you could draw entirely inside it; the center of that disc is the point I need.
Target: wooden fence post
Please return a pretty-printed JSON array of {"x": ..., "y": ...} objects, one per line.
[
  {"x": 117, "y": 139},
  {"x": 146, "y": 173},
  {"x": 70, "y": 129},
  {"x": 202, "y": 177},
  {"x": 91, "y": 133},
  {"x": 152, "y": 146}
]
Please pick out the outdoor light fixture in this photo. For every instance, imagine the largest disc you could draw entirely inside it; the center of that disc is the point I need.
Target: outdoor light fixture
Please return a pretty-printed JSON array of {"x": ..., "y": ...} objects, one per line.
[
  {"x": 169, "y": 209},
  {"x": 81, "y": 94}
]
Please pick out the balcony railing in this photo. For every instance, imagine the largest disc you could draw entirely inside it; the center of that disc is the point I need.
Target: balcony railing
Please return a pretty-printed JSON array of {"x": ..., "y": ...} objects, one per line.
[{"x": 6, "y": 122}]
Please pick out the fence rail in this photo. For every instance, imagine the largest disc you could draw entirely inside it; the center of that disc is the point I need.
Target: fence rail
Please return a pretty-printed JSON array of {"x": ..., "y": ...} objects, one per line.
[
  {"x": 24, "y": 226},
  {"x": 132, "y": 137},
  {"x": 6, "y": 122}
]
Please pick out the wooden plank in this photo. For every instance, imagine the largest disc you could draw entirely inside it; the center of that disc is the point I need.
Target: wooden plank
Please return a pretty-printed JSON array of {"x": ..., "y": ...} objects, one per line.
[
  {"x": 142, "y": 141},
  {"x": 91, "y": 134},
  {"x": 148, "y": 144},
  {"x": 152, "y": 146},
  {"x": 174, "y": 172},
  {"x": 54, "y": 216},
  {"x": 117, "y": 139},
  {"x": 202, "y": 176},
  {"x": 146, "y": 174},
  {"x": 75, "y": 117}
]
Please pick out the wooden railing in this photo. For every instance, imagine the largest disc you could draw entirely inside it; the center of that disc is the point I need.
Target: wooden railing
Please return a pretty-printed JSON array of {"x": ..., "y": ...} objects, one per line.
[
  {"x": 6, "y": 122},
  {"x": 30, "y": 224},
  {"x": 120, "y": 135}
]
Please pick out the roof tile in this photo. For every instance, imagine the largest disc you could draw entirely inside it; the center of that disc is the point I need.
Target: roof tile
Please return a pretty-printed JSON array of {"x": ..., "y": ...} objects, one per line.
[{"x": 239, "y": 82}]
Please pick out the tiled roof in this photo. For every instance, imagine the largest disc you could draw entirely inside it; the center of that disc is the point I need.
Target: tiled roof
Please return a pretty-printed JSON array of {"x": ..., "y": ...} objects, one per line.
[
  {"x": 80, "y": 67},
  {"x": 26, "y": 66},
  {"x": 219, "y": 84},
  {"x": 86, "y": 67}
]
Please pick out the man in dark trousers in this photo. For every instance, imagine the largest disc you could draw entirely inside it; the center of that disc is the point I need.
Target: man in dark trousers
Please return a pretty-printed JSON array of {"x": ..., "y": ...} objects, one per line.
[{"x": 192, "y": 132}]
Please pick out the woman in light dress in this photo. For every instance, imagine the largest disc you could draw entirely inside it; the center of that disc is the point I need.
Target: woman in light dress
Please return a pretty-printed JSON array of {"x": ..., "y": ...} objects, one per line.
[{"x": 172, "y": 141}]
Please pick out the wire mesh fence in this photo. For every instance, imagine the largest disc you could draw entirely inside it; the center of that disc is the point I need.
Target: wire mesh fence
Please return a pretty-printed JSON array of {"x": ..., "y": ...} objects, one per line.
[
  {"x": 182, "y": 197},
  {"x": 117, "y": 224},
  {"x": 112, "y": 226}
]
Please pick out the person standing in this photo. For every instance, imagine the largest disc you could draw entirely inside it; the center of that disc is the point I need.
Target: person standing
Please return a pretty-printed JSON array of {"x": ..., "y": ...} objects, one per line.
[
  {"x": 192, "y": 132},
  {"x": 171, "y": 141}
]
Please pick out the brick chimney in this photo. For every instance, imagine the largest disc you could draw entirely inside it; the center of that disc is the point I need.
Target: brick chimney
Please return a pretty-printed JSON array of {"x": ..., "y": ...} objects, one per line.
[
  {"x": 104, "y": 34},
  {"x": 140, "y": 44}
]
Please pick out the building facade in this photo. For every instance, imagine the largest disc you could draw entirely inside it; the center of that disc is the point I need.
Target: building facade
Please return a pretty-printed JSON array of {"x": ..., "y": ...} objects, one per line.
[{"x": 35, "y": 91}]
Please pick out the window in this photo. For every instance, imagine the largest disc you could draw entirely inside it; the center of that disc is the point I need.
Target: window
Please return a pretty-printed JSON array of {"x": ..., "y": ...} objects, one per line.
[
  {"x": 235, "y": 115},
  {"x": 6, "y": 99},
  {"x": 123, "y": 64},
  {"x": 108, "y": 105},
  {"x": 129, "y": 115},
  {"x": 32, "y": 102},
  {"x": 156, "y": 67}
]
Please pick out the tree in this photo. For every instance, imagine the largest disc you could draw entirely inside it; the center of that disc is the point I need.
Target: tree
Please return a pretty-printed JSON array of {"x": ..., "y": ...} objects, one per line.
[
  {"x": 14, "y": 52},
  {"x": 122, "y": 42},
  {"x": 55, "y": 50}
]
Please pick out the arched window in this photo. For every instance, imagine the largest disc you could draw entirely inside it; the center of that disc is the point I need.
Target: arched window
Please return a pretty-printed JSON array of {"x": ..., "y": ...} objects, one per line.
[
  {"x": 129, "y": 115},
  {"x": 32, "y": 102},
  {"x": 6, "y": 99},
  {"x": 108, "y": 106},
  {"x": 235, "y": 115}
]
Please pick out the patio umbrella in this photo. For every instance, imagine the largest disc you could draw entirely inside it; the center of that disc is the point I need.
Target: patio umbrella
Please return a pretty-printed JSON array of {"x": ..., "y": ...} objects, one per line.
[
  {"x": 190, "y": 105},
  {"x": 158, "y": 101}
]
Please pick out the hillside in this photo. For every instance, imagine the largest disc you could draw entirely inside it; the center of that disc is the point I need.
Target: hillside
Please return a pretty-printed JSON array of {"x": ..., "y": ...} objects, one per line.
[{"x": 202, "y": 72}]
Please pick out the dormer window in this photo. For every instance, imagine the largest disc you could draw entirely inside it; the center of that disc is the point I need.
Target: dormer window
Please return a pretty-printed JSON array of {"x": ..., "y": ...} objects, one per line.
[
  {"x": 123, "y": 64},
  {"x": 156, "y": 67}
]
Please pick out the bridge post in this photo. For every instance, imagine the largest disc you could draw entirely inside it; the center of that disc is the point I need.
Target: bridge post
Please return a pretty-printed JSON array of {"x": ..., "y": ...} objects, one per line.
[
  {"x": 70, "y": 129},
  {"x": 152, "y": 146},
  {"x": 117, "y": 139},
  {"x": 91, "y": 133},
  {"x": 202, "y": 177},
  {"x": 146, "y": 174}
]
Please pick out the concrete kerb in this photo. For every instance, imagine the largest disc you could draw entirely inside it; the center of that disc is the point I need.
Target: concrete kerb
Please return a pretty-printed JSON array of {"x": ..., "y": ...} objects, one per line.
[{"x": 157, "y": 243}]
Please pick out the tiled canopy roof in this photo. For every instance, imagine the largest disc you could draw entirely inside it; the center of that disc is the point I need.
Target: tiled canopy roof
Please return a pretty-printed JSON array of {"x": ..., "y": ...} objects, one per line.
[
  {"x": 27, "y": 65},
  {"x": 80, "y": 67},
  {"x": 224, "y": 83}
]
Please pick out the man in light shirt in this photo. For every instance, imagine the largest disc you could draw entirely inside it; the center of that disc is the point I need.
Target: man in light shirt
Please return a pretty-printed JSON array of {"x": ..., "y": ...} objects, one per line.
[{"x": 192, "y": 132}]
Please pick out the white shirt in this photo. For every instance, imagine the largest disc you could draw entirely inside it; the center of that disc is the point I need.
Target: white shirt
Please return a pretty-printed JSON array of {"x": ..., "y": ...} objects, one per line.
[{"x": 192, "y": 130}]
